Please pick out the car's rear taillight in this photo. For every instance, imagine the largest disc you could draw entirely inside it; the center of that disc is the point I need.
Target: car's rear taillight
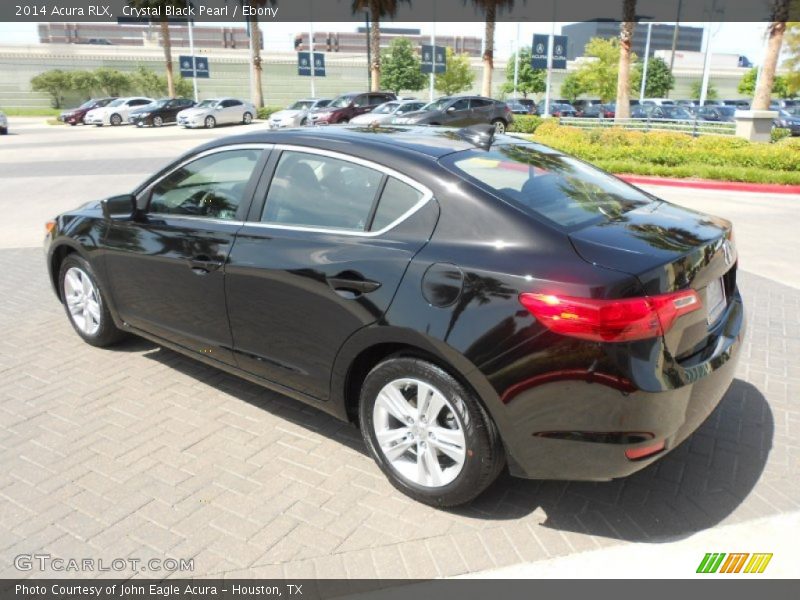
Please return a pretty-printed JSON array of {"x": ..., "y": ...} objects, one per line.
[{"x": 621, "y": 320}]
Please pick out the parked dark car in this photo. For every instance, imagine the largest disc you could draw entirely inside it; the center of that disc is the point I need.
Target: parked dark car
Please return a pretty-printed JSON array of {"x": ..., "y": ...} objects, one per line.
[
  {"x": 528, "y": 103},
  {"x": 608, "y": 111},
  {"x": 788, "y": 119},
  {"x": 741, "y": 104},
  {"x": 76, "y": 115},
  {"x": 343, "y": 108},
  {"x": 668, "y": 112},
  {"x": 471, "y": 301},
  {"x": 517, "y": 108},
  {"x": 720, "y": 114},
  {"x": 159, "y": 112},
  {"x": 587, "y": 108},
  {"x": 460, "y": 111},
  {"x": 558, "y": 109}
]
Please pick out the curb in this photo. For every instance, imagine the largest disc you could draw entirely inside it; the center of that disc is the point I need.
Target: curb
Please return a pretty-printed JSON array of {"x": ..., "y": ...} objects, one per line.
[{"x": 708, "y": 184}]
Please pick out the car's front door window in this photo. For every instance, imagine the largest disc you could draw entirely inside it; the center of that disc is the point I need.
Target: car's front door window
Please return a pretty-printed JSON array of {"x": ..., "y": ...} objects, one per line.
[{"x": 212, "y": 186}]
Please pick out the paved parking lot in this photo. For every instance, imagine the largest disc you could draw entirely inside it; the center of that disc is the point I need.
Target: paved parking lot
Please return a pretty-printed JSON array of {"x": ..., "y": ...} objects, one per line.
[{"x": 139, "y": 452}]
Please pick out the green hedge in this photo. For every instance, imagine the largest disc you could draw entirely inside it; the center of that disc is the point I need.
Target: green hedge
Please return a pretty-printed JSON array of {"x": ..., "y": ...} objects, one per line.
[
  {"x": 265, "y": 111},
  {"x": 676, "y": 154},
  {"x": 525, "y": 123}
]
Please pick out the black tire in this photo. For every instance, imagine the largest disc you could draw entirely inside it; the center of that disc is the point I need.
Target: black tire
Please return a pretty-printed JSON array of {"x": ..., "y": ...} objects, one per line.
[
  {"x": 344, "y": 121},
  {"x": 73, "y": 124},
  {"x": 247, "y": 118},
  {"x": 107, "y": 334},
  {"x": 115, "y": 120},
  {"x": 210, "y": 122},
  {"x": 3, "y": 130},
  {"x": 499, "y": 125},
  {"x": 157, "y": 121},
  {"x": 485, "y": 456}
]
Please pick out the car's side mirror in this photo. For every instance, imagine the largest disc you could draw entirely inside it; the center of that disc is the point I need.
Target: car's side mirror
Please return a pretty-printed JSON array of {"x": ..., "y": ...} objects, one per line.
[
  {"x": 451, "y": 109},
  {"x": 123, "y": 205},
  {"x": 217, "y": 107}
]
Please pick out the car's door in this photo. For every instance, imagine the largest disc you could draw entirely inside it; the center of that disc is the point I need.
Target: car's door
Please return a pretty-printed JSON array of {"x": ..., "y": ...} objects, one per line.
[
  {"x": 232, "y": 111},
  {"x": 457, "y": 113},
  {"x": 166, "y": 264},
  {"x": 321, "y": 259},
  {"x": 360, "y": 105},
  {"x": 481, "y": 110},
  {"x": 135, "y": 103}
]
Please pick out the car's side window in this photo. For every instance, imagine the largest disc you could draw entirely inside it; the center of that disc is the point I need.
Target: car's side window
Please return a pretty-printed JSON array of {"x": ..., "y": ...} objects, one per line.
[
  {"x": 311, "y": 190},
  {"x": 396, "y": 200},
  {"x": 234, "y": 103},
  {"x": 462, "y": 104},
  {"x": 212, "y": 186}
]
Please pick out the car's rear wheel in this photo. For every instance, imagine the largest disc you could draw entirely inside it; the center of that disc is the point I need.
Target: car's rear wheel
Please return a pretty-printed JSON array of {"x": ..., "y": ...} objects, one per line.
[
  {"x": 499, "y": 126},
  {"x": 157, "y": 121},
  {"x": 85, "y": 303},
  {"x": 210, "y": 122},
  {"x": 115, "y": 119},
  {"x": 247, "y": 118},
  {"x": 3, "y": 130},
  {"x": 73, "y": 123},
  {"x": 428, "y": 433}
]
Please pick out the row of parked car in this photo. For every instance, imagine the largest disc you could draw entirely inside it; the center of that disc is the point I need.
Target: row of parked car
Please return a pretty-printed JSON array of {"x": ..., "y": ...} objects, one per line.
[{"x": 148, "y": 112}]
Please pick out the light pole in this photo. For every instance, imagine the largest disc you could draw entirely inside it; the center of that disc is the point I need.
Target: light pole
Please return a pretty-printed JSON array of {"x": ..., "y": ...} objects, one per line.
[
  {"x": 516, "y": 62},
  {"x": 646, "y": 62}
]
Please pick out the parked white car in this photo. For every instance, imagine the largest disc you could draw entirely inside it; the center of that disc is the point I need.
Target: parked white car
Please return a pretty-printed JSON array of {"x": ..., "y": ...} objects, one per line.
[
  {"x": 384, "y": 113},
  {"x": 297, "y": 114},
  {"x": 115, "y": 112},
  {"x": 217, "y": 111},
  {"x": 3, "y": 123}
]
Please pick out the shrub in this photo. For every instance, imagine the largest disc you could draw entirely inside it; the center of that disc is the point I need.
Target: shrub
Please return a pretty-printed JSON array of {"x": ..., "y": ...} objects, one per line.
[
  {"x": 790, "y": 142},
  {"x": 778, "y": 133},
  {"x": 264, "y": 112},
  {"x": 525, "y": 123},
  {"x": 54, "y": 83}
]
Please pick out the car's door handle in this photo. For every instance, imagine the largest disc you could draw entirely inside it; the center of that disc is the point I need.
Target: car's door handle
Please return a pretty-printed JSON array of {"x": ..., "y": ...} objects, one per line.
[
  {"x": 203, "y": 264},
  {"x": 353, "y": 285}
]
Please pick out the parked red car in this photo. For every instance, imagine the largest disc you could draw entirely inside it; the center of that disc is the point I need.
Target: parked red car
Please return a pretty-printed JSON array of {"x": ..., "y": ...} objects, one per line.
[
  {"x": 347, "y": 106},
  {"x": 76, "y": 115}
]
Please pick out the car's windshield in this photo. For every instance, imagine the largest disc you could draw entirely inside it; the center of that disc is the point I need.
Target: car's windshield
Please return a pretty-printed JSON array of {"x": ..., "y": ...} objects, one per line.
[
  {"x": 207, "y": 103},
  {"x": 117, "y": 102},
  {"x": 88, "y": 104},
  {"x": 158, "y": 103},
  {"x": 675, "y": 112},
  {"x": 439, "y": 104},
  {"x": 302, "y": 105},
  {"x": 386, "y": 109},
  {"x": 562, "y": 189},
  {"x": 341, "y": 102}
]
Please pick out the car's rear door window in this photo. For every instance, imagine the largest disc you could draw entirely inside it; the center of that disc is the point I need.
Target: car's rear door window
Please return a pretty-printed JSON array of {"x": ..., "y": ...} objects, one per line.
[
  {"x": 318, "y": 191},
  {"x": 564, "y": 190},
  {"x": 396, "y": 200}
]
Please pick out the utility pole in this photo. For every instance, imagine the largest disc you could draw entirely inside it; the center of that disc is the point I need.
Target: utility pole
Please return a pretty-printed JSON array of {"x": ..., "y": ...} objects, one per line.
[
  {"x": 675, "y": 36},
  {"x": 646, "y": 62},
  {"x": 369, "y": 52},
  {"x": 516, "y": 63},
  {"x": 191, "y": 51},
  {"x": 433, "y": 61}
]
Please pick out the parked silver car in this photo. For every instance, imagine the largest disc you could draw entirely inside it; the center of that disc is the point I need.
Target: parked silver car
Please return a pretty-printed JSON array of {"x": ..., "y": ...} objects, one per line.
[
  {"x": 217, "y": 111},
  {"x": 297, "y": 114},
  {"x": 384, "y": 113}
]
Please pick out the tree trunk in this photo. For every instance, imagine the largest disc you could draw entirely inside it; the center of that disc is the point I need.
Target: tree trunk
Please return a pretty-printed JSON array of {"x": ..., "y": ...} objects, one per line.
[
  {"x": 488, "y": 50},
  {"x": 256, "y": 94},
  {"x": 623, "y": 110},
  {"x": 375, "y": 46},
  {"x": 166, "y": 42},
  {"x": 776, "y": 30}
]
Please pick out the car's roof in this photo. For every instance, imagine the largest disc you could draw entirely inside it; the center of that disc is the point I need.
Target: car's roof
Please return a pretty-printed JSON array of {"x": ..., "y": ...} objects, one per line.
[{"x": 433, "y": 142}]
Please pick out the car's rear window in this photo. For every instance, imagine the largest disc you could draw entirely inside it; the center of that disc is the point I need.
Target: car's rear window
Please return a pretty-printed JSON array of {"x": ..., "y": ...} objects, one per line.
[{"x": 562, "y": 189}]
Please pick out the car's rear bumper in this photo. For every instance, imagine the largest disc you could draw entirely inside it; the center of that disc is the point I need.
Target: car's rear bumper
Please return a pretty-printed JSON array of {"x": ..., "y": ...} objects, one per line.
[{"x": 577, "y": 426}]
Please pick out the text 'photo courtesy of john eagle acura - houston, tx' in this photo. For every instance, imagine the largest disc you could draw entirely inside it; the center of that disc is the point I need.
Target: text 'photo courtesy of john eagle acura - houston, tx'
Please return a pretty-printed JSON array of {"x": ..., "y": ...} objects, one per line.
[{"x": 473, "y": 302}]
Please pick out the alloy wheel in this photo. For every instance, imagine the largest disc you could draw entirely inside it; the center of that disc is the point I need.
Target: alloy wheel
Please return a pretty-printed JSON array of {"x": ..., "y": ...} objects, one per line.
[
  {"x": 210, "y": 122},
  {"x": 499, "y": 126},
  {"x": 248, "y": 118},
  {"x": 418, "y": 432},
  {"x": 158, "y": 121},
  {"x": 83, "y": 300}
]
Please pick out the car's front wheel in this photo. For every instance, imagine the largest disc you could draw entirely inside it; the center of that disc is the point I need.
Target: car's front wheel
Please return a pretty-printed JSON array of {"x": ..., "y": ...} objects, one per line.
[
  {"x": 210, "y": 122},
  {"x": 428, "y": 433},
  {"x": 85, "y": 303},
  {"x": 499, "y": 126},
  {"x": 115, "y": 120},
  {"x": 247, "y": 118},
  {"x": 157, "y": 121}
]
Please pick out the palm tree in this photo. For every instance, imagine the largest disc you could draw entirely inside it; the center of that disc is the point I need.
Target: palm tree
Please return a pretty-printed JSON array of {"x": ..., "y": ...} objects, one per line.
[
  {"x": 489, "y": 8},
  {"x": 378, "y": 9},
  {"x": 624, "y": 76},
  {"x": 257, "y": 94},
  {"x": 776, "y": 29},
  {"x": 166, "y": 41}
]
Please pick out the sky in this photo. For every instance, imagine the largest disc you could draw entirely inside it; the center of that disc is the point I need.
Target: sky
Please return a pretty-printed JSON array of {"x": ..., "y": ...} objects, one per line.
[{"x": 734, "y": 38}]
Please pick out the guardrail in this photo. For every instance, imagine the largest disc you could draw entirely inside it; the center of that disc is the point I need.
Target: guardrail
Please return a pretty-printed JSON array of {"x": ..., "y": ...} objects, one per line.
[{"x": 695, "y": 127}]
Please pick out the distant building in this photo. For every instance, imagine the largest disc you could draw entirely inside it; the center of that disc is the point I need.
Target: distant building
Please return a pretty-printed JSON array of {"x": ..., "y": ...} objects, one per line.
[
  {"x": 689, "y": 38},
  {"x": 356, "y": 41},
  {"x": 142, "y": 34}
]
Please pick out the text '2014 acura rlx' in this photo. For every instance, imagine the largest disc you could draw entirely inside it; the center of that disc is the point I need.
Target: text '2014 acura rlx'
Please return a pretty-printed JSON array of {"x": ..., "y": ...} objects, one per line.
[{"x": 472, "y": 301}]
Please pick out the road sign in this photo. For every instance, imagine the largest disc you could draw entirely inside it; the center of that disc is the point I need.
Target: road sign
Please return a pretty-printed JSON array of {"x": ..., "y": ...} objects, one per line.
[
  {"x": 559, "y": 52},
  {"x": 304, "y": 64},
  {"x": 201, "y": 69},
  {"x": 539, "y": 51},
  {"x": 429, "y": 53}
]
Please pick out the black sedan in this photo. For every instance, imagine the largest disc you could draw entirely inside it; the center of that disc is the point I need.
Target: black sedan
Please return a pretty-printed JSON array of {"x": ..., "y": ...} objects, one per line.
[
  {"x": 473, "y": 302},
  {"x": 159, "y": 112}
]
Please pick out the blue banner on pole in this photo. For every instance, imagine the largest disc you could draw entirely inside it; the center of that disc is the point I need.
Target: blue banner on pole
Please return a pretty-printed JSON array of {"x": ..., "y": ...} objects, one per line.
[
  {"x": 434, "y": 59},
  {"x": 559, "y": 52},
  {"x": 201, "y": 69},
  {"x": 539, "y": 51},
  {"x": 304, "y": 64}
]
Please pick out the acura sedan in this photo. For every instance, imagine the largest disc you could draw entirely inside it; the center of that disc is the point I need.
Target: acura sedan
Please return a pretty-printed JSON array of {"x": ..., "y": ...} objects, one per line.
[
  {"x": 297, "y": 114},
  {"x": 217, "y": 111},
  {"x": 459, "y": 111},
  {"x": 159, "y": 112},
  {"x": 115, "y": 112},
  {"x": 387, "y": 111},
  {"x": 473, "y": 302}
]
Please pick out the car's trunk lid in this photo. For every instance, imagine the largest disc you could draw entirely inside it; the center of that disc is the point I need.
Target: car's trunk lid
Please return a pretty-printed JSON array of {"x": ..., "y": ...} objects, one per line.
[{"x": 669, "y": 248}]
